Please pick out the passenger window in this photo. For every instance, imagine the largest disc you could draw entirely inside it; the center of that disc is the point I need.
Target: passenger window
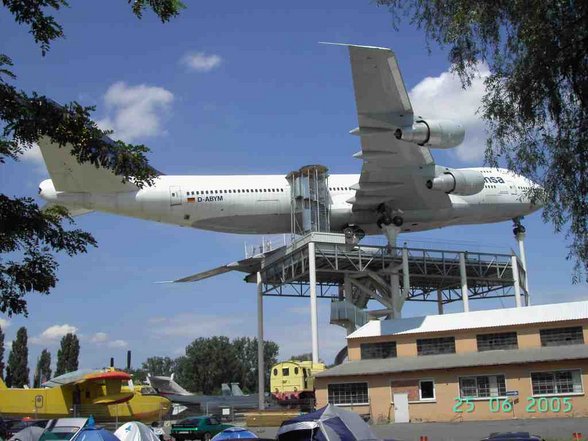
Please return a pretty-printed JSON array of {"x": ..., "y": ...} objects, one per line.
[
  {"x": 286, "y": 372},
  {"x": 295, "y": 371},
  {"x": 275, "y": 372}
]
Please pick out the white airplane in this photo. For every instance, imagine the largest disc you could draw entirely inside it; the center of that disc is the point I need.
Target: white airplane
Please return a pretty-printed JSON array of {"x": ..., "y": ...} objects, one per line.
[{"x": 399, "y": 189}]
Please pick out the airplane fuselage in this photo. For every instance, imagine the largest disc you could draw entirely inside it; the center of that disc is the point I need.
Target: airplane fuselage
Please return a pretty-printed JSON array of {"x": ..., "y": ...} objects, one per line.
[{"x": 260, "y": 204}]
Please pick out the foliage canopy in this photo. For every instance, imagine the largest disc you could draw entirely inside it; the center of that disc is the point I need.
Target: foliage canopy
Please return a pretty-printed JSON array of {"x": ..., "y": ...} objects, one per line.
[
  {"x": 18, "y": 361},
  {"x": 536, "y": 95},
  {"x": 29, "y": 236}
]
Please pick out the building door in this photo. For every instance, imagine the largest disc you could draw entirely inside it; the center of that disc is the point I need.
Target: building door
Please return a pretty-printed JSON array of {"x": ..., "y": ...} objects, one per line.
[
  {"x": 175, "y": 195},
  {"x": 401, "y": 408}
]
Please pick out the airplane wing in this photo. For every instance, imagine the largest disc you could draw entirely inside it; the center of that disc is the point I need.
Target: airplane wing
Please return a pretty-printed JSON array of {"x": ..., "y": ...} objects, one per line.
[
  {"x": 393, "y": 170},
  {"x": 83, "y": 375},
  {"x": 249, "y": 265}
]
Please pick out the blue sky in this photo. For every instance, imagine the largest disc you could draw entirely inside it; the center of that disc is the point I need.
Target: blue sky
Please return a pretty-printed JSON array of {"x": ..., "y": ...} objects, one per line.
[{"x": 225, "y": 89}]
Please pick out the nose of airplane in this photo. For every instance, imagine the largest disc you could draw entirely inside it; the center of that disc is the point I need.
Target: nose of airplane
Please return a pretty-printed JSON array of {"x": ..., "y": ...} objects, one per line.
[{"x": 47, "y": 190}]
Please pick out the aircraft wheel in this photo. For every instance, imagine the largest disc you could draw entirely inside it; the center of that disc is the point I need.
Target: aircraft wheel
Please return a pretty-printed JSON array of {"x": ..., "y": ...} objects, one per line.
[
  {"x": 397, "y": 221},
  {"x": 384, "y": 220},
  {"x": 519, "y": 229}
]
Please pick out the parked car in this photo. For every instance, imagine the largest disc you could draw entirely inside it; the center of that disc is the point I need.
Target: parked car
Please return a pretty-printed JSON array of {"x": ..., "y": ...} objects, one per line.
[
  {"x": 201, "y": 428},
  {"x": 513, "y": 436},
  {"x": 63, "y": 429}
]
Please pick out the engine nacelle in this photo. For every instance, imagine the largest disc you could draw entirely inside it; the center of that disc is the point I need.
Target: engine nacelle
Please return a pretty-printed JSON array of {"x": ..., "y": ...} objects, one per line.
[
  {"x": 438, "y": 134},
  {"x": 460, "y": 182}
]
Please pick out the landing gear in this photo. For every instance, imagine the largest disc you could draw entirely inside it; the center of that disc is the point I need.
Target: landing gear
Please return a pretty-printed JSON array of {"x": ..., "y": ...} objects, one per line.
[
  {"x": 386, "y": 217},
  {"x": 353, "y": 234}
]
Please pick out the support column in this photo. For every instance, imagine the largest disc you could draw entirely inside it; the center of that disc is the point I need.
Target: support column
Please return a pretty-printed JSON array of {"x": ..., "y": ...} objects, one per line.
[
  {"x": 313, "y": 308},
  {"x": 520, "y": 236},
  {"x": 260, "y": 358},
  {"x": 395, "y": 293},
  {"x": 348, "y": 295},
  {"x": 405, "y": 274},
  {"x": 515, "y": 277},
  {"x": 440, "y": 302},
  {"x": 464, "y": 283}
]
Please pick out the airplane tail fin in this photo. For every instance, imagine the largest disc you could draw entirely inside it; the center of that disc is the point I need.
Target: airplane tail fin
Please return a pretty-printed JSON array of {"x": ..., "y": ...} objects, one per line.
[
  {"x": 69, "y": 175},
  {"x": 236, "y": 390},
  {"x": 226, "y": 390}
]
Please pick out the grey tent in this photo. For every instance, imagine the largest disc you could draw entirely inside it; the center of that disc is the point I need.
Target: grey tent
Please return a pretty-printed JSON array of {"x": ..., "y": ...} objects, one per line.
[
  {"x": 31, "y": 433},
  {"x": 331, "y": 423}
]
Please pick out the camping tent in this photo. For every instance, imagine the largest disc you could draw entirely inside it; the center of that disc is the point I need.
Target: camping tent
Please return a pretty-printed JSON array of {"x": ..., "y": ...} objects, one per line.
[
  {"x": 234, "y": 433},
  {"x": 135, "y": 431},
  {"x": 91, "y": 433},
  {"x": 331, "y": 423},
  {"x": 31, "y": 433}
]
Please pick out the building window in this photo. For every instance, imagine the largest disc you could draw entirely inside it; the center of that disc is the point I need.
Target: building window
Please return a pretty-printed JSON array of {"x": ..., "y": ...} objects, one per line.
[
  {"x": 562, "y": 336},
  {"x": 348, "y": 393},
  {"x": 484, "y": 386},
  {"x": 426, "y": 389},
  {"x": 491, "y": 342},
  {"x": 431, "y": 346},
  {"x": 378, "y": 350},
  {"x": 557, "y": 382}
]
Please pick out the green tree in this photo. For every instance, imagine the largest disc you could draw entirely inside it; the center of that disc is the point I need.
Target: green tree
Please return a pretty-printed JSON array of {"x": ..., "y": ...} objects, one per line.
[
  {"x": 159, "y": 366},
  {"x": 25, "y": 230},
  {"x": 1, "y": 353},
  {"x": 43, "y": 371},
  {"x": 67, "y": 355},
  {"x": 246, "y": 352},
  {"x": 18, "y": 360},
  {"x": 536, "y": 100},
  {"x": 208, "y": 363}
]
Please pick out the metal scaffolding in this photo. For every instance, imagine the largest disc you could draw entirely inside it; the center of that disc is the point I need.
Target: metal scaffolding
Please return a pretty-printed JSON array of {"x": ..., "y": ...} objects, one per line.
[{"x": 323, "y": 265}]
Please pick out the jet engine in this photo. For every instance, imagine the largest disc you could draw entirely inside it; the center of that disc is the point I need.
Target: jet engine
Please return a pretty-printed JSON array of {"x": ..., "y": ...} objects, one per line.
[
  {"x": 438, "y": 134},
  {"x": 460, "y": 182}
]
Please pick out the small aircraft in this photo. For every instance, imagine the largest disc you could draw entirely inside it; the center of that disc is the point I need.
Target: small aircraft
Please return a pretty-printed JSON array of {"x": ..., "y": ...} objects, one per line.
[
  {"x": 105, "y": 394},
  {"x": 400, "y": 187},
  {"x": 232, "y": 396}
]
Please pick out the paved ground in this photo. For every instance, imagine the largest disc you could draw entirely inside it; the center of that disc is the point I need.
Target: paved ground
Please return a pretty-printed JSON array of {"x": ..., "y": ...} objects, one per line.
[{"x": 550, "y": 428}]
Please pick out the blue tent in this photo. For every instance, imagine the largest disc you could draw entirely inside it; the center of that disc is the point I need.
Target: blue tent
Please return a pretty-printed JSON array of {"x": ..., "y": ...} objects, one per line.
[
  {"x": 234, "y": 433},
  {"x": 331, "y": 423},
  {"x": 90, "y": 433}
]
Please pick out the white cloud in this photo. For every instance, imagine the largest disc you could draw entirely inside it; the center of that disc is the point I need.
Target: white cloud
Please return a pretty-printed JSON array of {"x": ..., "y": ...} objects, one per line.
[
  {"x": 103, "y": 339},
  {"x": 53, "y": 334},
  {"x": 443, "y": 97},
  {"x": 117, "y": 344},
  {"x": 200, "y": 61},
  {"x": 33, "y": 154},
  {"x": 4, "y": 323},
  {"x": 99, "y": 337},
  {"x": 135, "y": 111}
]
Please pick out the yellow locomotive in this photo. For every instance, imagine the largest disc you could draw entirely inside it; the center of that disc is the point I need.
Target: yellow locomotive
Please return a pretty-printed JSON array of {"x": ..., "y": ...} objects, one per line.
[{"x": 292, "y": 381}]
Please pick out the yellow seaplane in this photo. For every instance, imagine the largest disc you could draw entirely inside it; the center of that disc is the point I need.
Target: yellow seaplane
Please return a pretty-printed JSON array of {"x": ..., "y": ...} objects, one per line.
[{"x": 106, "y": 394}]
